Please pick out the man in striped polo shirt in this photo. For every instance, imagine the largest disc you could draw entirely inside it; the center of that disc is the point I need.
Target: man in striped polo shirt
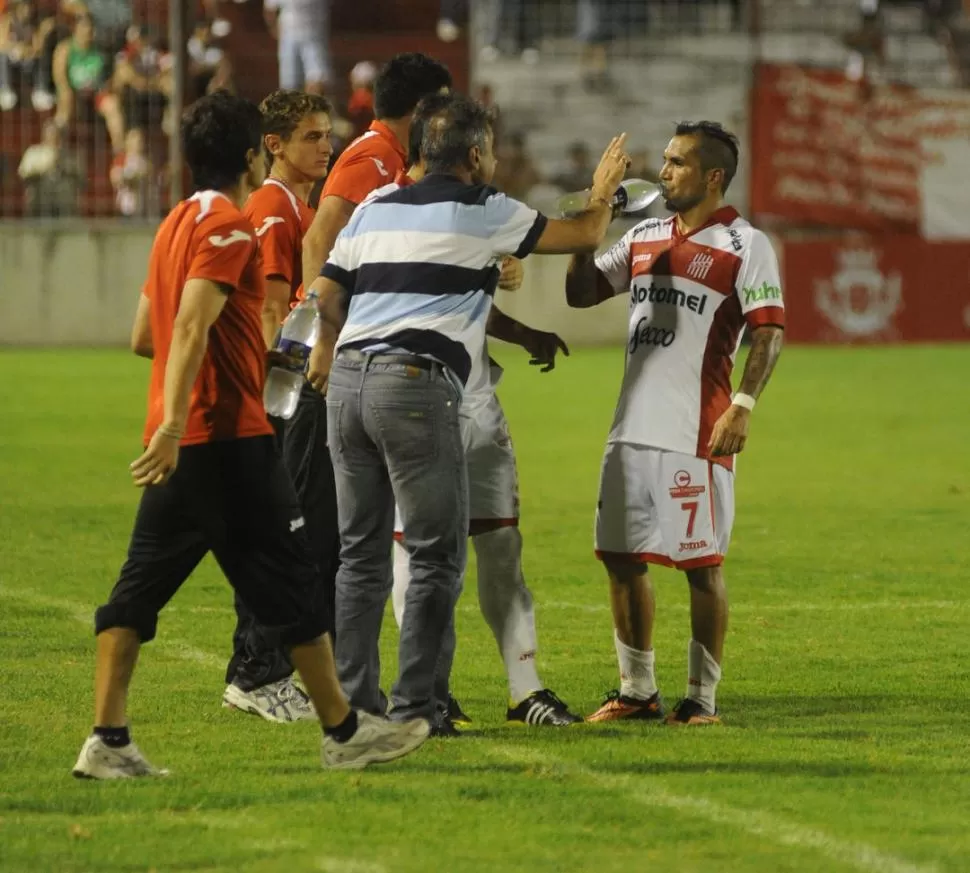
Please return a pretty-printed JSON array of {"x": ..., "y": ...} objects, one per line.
[{"x": 409, "y": 285}]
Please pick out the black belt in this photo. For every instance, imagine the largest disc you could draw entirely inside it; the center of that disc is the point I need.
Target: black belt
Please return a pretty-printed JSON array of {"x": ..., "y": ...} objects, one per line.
[{"x": 403, "y": 360}]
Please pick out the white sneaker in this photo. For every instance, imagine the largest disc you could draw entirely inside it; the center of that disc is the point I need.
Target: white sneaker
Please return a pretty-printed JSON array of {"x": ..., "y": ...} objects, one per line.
[
  {"x": 43, "y": 101},
  {"x": 8, "y": 99},
  {"x": 281, "y": 701},
  {"x": 375, "y": 742},
  {"x": 98, "y": 760}
]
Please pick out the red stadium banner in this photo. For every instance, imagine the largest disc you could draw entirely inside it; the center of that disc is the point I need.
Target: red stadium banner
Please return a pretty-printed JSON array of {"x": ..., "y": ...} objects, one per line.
[
  {"x": 840, "y": 153},
  {"x": 879, "y": 290}
]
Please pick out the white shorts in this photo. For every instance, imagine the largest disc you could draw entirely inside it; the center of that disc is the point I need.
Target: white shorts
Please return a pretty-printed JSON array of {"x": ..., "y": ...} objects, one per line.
[
  {"x": 493, "y": 481},
  {"x": 663, "y": 507}
]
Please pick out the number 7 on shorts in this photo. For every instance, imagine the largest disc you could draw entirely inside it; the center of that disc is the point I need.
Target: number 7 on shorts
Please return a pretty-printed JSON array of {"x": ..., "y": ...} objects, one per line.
[{"x": 690, "y": 507}]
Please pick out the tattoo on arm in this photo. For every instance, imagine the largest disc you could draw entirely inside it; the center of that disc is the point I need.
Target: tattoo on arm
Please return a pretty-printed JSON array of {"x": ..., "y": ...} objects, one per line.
[{"x": 766, "y": 343}]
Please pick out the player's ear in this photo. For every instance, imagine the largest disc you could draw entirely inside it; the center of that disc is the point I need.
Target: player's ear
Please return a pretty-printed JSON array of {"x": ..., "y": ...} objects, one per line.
[
  {"x": 474, "y": 158},
  {"x": 273, "y": 143},
  {"x": 715, "y": 180}
]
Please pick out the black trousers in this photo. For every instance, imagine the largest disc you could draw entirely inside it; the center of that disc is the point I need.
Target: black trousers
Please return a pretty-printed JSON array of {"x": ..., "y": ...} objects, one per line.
[
  {"x": 256, "y": 661},
  {"x": 234, "y": 499}
]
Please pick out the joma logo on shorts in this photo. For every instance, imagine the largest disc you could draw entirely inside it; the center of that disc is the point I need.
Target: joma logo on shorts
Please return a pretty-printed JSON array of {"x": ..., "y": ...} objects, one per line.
[
  {"x": 693, "y": 546},
  {"x": 671, "y": 296}
]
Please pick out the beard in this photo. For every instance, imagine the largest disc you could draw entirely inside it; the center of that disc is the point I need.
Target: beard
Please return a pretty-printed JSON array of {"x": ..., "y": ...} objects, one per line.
[{"x": 682, "y": 204}]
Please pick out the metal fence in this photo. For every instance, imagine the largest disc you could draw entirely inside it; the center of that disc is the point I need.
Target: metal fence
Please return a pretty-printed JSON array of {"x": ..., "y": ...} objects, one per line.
[{"x": 91, "y": 91}]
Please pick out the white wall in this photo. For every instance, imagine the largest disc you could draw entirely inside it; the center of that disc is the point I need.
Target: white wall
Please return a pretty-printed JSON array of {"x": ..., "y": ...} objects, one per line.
[
  {"x": 76, "y": 285},
  {"x": 80, "y": 285}
]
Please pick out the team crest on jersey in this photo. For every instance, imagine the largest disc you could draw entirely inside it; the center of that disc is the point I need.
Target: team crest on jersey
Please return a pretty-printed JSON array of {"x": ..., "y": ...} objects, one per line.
[
  {"x": 860, "y": 300},
  {"x": 700, "y": 266},
  {"x": 683, "y": 486}
]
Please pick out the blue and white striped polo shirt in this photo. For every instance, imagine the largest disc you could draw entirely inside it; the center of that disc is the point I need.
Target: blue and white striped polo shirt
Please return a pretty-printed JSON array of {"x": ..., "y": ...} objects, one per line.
[{"x": 421, "y": 266}]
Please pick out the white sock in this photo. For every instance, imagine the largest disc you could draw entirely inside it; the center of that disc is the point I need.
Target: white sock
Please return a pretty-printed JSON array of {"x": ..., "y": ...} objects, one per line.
[
  {"x": 402, "y": 578},
  {"x": 703, "y": 674},
  {"x": 507, "y": 606},
  {"x": 636, "y": 671}
]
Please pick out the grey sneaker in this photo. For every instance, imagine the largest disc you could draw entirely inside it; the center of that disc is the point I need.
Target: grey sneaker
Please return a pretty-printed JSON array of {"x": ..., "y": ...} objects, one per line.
[
  {"x": 100, "y": 761},
  {"x": 282, "y": 701},
  {"x": 376, "y": 741}
]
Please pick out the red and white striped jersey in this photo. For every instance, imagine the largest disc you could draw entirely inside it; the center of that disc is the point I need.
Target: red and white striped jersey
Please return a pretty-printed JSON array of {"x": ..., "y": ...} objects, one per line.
[{"x": 690, "y": 298}]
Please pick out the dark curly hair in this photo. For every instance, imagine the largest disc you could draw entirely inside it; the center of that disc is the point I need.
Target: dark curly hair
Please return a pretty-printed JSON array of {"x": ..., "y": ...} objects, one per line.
[{"x": 217, "y": 132}]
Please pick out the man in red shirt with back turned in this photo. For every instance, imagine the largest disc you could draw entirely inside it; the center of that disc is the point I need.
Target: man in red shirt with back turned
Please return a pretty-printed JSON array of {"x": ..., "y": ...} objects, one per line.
[{"x": 213, "y": 479}]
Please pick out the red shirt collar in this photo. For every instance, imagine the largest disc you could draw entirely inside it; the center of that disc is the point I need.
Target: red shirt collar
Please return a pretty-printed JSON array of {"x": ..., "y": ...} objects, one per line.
[
  {"x": 383, "y": 131},
  {"x": 726, "y": 215}
]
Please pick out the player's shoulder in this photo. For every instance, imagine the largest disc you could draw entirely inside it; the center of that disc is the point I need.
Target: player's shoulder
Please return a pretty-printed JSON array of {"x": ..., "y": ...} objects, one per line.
[
  {"x": 268, "y": 196},
  {"x": 220, "y": 223},
  {"x": 739, "y": 234}
]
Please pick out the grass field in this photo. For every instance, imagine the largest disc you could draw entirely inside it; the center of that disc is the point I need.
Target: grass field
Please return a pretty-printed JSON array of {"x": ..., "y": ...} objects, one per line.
[{"x": 845, "y": 694}]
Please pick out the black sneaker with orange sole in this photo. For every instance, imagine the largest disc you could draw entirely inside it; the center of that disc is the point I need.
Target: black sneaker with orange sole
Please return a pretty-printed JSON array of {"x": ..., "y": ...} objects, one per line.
[
  {"x": 691, "y": 713},
  {"x": 618, "y": 706}
]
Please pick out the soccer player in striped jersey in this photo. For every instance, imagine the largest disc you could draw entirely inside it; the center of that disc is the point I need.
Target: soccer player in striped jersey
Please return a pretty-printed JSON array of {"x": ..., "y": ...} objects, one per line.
[{"x": 695, "y": 282}]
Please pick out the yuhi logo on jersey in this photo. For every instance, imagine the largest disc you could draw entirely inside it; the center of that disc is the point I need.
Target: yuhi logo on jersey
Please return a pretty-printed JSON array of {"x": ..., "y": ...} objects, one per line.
[
  {"x": 860, "y": 300},
  {"x": 762, "y": 294},
  {"x": 700, "y": 266},
  {"x": 670, "y": 296},
  {"x": 683, "y": 486}
]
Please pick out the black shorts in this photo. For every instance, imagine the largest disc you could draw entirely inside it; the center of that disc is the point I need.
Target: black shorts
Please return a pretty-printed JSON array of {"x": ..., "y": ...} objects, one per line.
[{"x": 234, "y": 499}]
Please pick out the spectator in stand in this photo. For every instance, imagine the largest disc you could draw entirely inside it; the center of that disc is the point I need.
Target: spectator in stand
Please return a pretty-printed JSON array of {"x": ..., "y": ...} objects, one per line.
[
  {"x": 81, "y": 73},
  {"x": 451, "y": 13},
  {"x": 523, "y": 19},
  {"x": 111, "y": 18},
  {"x": 596, "y": 22},
  {"x": 866, "y": 44},
  {"x": 51, "y": 176},
  {"x": 360, "y": 106},
  {"x": 577, "y": 175},
  {"x": 133, "y": 178},
  {"x": 515, "y": 174},
  {"x": 302, "y": 30},
  {"x": 209, "y": 66},
  {"x": 143, "y": 77},
  {"x": 23, "y": 37}
]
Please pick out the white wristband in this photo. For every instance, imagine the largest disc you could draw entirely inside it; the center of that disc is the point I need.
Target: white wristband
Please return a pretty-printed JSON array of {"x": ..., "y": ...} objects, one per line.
[{"x": 746, "y": 401}]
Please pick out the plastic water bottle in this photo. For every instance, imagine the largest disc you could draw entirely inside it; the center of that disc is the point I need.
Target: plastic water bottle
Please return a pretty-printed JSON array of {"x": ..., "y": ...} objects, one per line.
[
  {"x": 295, "y": 340},
  {"x": 632, "y": 196}
]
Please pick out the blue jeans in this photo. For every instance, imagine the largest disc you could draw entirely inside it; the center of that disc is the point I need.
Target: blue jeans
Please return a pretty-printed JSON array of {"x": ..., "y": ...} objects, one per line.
[
  {"x": 304, "y": 58},
  {"x": 395, "y": 437}
]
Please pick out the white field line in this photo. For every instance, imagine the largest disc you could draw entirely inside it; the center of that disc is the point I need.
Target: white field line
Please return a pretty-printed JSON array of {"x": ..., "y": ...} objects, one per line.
[
  {"x": 85, "y": 615},
  {"x": 767, "y": 826}
]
